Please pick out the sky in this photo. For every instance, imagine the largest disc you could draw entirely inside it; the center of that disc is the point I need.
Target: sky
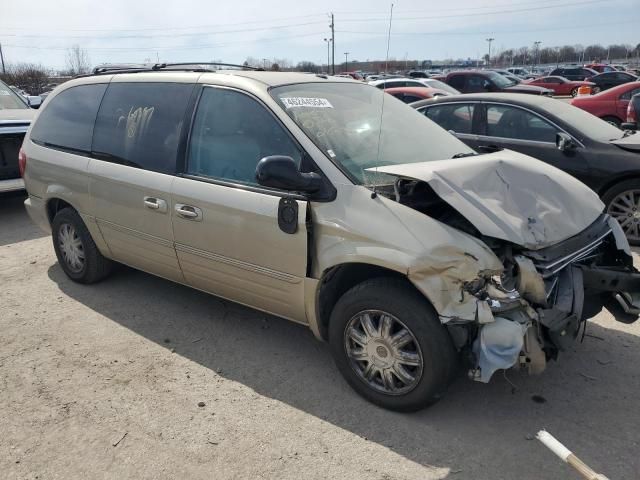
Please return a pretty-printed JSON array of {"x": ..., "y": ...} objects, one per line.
[{"x": 115, "y": 31}]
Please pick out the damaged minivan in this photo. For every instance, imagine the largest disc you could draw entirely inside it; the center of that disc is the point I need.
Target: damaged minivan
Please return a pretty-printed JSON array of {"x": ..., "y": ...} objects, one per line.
[{"x": 329, "y": 203}]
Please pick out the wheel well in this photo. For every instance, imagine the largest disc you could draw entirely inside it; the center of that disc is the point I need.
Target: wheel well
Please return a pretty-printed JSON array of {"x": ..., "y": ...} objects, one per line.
[
  {"x": 611, "y": 183},
  {"x": 337, "y": 280},
  {"x": 615, "y": 117},
  {"x": 54, "y": 206}
]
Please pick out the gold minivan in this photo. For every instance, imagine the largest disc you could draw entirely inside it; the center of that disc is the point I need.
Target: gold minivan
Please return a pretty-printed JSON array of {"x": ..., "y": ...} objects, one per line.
[{"x": 330, "y": 203}]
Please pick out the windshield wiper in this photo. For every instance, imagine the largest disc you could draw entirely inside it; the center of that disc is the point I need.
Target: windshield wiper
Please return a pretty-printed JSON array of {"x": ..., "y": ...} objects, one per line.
[{"x": 462, "y": 155}]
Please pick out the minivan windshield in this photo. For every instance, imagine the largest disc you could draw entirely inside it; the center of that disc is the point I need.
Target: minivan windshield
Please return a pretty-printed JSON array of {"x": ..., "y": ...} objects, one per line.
[
  {"x": 9, "y": 100},
  {"x": 360, "y": 127}
]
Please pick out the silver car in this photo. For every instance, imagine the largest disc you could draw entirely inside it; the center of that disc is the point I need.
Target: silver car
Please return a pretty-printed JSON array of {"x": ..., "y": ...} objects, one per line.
[{"x": 326, "y": 202}]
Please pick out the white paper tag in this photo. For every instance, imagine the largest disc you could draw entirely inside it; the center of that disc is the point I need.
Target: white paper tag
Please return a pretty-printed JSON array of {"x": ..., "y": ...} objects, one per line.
[
  {"x": 4, "y": 92},
  {"x": 291, "y": 102}
]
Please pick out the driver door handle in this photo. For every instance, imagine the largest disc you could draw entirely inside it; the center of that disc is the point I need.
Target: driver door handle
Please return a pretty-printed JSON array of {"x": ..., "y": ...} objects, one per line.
[
  {"x": 154, "y": 203},
  {"x": 189, "y": 212}
]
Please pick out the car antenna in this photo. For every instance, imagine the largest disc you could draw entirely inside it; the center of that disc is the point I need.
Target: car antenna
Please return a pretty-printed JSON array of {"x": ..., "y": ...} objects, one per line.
[{"x": 386, "y": 70}]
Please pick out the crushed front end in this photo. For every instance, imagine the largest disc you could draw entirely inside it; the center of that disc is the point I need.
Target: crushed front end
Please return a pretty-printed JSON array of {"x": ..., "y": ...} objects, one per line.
[{"x": 543, "y": 299}]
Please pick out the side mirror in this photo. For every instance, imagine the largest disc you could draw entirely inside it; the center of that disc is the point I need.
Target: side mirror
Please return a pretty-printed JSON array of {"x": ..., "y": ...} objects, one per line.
[
  {"x": 564, "y": 142},
  {"x": 34, "y": 101},
  {"x": 486, "y": 85},
  {"x": 629, "y": 126},
  {"x": 278, "y": 171}
]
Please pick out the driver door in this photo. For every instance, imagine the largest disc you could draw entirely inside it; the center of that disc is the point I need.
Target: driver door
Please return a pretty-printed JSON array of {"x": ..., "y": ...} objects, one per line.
[{"x": 226, "y": 227}]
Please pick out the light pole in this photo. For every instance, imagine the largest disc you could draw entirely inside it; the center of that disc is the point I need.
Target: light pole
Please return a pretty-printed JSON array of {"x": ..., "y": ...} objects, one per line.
[
  {"x": 537, "y": 44},
  {"x": 346, "y": 61},
  {"x": 328, "y": 40},
  {"x": 489, "y": 40}
]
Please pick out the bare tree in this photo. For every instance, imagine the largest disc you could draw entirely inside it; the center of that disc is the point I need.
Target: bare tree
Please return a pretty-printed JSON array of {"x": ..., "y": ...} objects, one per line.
[
  {"x": 28, "y": 76},
  {"x": 78, "y": 62}
]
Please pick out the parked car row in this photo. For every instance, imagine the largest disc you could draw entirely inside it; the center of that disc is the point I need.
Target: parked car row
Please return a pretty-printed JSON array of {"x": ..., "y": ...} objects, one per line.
[
  {"x": 15, "y": 118},
  {"x": 327, "y": 202}
]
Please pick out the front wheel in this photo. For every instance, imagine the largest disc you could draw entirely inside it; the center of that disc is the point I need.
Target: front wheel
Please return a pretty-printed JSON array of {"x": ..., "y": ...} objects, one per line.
[
  {"x": 622, "y": 202},
  {"x": 390, "y": 346}
]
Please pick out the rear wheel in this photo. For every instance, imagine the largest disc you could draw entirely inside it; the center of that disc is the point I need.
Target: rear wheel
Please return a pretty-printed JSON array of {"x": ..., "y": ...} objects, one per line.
[
  {"x": 390, "y": 346},
  {"x": 77, "y": 253},
  {"x": 615, "y": 121},
  {"x": 574, "y": 92},
  {"x": 623, "y": 203}
]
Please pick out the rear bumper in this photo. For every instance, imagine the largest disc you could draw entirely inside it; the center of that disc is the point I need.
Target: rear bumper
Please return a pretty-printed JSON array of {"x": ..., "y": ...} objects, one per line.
[
  {"x": 37, "y": 211},
  {"x": 13, "y": 185}
]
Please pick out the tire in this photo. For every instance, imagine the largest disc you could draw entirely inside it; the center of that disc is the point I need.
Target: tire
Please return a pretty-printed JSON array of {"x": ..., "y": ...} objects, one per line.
[
  {"x": 403, "y": 308},
  {"x": 615, "y": 121},
  {"x": 83, "y": 263},
  {"x": 628, "y": 218},
  {"x": 595, "y": 90},
  {"x": 574, "y": 92}
]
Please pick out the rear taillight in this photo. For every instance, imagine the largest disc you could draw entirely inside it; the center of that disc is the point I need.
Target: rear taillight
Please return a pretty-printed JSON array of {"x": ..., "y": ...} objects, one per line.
[
  {"x": 22, "y": 161},
  {"x": 632, "y": 115}
]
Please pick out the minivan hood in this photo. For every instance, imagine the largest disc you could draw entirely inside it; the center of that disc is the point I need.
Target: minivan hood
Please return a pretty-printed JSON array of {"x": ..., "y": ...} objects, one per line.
[
  {"x": 11, "y": 115},
  {"x": 509, "y": 196}
]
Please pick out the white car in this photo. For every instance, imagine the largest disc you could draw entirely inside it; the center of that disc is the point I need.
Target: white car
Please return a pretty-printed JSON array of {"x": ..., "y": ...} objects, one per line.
[{"x": 414, "y": 82}]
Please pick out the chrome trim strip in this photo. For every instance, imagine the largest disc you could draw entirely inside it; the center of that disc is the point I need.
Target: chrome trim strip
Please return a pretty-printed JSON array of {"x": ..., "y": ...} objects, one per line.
[
  {"x": 577, "y": 252},
  {"x": 13, "y": 129},
  {"x": 134, "y": 233},
  {"x": 286, "y": 277}
]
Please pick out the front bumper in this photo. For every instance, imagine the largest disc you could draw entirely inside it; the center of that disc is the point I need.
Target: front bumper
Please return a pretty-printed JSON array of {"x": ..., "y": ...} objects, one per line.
[{"x": 567, "y": 284}]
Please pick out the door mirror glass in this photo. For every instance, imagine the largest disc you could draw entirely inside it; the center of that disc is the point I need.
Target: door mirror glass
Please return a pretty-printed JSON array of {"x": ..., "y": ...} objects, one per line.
[
  {"x": 282, "y": 172},
  {"x": 564, "y": 142}
]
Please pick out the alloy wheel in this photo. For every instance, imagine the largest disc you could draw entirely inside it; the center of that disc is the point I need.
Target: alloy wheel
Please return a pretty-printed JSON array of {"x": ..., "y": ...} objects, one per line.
[
  {"x": 625, "y": 208},
  {"x": 383, "y": 352}
]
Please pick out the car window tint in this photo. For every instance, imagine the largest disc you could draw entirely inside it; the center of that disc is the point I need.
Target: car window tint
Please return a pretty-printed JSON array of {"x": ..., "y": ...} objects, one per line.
[
  {"x": 457, "y": 82},
  {"x": 231, "y": 133},
  {"x": 475, "y": 83},
  {"x": 454, "y": 117},
  {"x": 67, "y": 121},
  {"x": 511, "y": 122},
  {"x": 627, "y": 95},
  {"x": 411, "y": 98},
  {"x": 139, "y": 124}
]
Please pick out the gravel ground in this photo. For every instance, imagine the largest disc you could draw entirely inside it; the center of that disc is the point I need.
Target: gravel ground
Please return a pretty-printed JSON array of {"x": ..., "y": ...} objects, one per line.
[{"x": 105, "y": 381}]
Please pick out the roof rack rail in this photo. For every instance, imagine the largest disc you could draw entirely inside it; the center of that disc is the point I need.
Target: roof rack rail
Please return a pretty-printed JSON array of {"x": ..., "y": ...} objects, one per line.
[{"x": 147, "y": 67}]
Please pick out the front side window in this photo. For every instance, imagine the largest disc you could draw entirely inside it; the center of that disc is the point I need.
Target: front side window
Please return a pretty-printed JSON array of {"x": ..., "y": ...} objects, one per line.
[
  {"x": 139, "y": 124},
  {"x": 512, "y": 122},
  {"x": 455, "y": 117},
  {"x": 67, "y": 121},
  {"x": 231, "y": 133},
  {"x": 358, "y": 130},
  {"x": 476, "y": 83}
]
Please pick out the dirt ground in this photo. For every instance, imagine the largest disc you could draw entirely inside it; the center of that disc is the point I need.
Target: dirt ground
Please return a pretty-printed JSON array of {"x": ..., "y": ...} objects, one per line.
[{"x": 105, "y": 381}]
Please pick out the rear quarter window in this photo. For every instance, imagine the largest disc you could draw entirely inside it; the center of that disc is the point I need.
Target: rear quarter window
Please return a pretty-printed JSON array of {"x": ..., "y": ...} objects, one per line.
[
  {"x": 139, "y": 124},
  {"x": 67, "y": 121}
]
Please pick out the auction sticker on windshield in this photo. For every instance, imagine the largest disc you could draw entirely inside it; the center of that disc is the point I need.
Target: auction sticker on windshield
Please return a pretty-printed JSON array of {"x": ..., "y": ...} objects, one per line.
[{"x": 291, "y": 102}]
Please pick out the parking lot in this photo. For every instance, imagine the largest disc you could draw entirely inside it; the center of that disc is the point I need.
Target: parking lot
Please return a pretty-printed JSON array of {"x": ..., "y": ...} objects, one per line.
[{"x": 105, "y": 381}]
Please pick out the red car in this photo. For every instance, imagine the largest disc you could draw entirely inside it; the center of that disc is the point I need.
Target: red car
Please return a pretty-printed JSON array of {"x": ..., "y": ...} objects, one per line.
[
  {"x": 610, "y": 105},
  {"x": 600, "y": 67},
  {"x": 560, "y": 85},
  {"x": 413, "y": 94}
]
